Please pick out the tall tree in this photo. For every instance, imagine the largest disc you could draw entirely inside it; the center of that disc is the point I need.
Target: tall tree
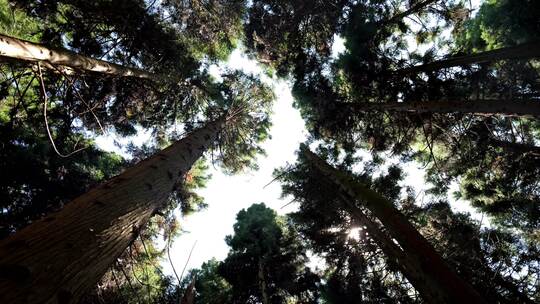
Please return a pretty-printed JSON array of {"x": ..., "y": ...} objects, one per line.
[
  {"x": 365, "y": 262},
  {"x": 118, "y": 209},
  {"x": 37, "y": 257},
  {"x": 442, "y": 282}
]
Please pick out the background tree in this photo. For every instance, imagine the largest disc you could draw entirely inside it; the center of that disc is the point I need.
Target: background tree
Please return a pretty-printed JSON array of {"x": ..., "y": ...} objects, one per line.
[{"x": 267, "y": 262}]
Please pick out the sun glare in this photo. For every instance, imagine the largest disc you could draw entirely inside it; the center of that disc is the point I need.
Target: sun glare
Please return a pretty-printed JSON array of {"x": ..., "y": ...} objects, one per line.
[{"x": 354, "y": 233}]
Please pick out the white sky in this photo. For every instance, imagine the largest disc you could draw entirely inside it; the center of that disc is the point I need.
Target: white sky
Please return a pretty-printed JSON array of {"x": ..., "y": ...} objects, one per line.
[{"x": 227, "y": 195}]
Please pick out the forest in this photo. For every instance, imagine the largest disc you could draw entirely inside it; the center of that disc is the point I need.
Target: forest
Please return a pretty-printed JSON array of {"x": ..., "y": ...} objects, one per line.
[{"x": 417, "y": 180}]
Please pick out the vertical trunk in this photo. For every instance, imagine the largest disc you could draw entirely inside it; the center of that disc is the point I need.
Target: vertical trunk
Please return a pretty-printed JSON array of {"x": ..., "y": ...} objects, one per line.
[
  {"x": 437, "y": 274},
  {"x": 524, "y": 51},
  {"x": 18, "y": 49},
  {"x": 262, "y": 283},
  {"x": 59, "y": 258},
  {"x": 189, "y": 294},
  {"x": 477, "y": 107}
]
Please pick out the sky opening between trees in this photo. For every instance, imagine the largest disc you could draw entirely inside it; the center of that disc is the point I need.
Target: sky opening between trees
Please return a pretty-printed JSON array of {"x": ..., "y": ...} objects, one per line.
[{"x": 230, "y": 151}]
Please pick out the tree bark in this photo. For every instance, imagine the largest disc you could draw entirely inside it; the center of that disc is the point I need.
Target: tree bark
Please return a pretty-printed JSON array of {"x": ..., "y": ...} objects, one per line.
[
  {"x": 527, "y": 50},
  {"x": 59, "y": 258},
  {"x": 526, "y": 108},
  {"x": 262, "y": 283},
  {"x": 18, "y": 49},
  {"x": 441, "y": 280}
]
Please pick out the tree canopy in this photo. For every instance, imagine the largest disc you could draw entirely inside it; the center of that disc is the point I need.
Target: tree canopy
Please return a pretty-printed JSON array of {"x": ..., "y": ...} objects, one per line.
[{"x": 382, "y": 86}]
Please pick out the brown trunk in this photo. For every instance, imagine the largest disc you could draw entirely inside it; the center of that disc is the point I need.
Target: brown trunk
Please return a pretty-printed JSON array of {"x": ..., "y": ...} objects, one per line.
[
  {"x": 189, "y": 294},
  {"x": 59, "y": 258},
  {"x": 407, "y": 264},
  {"x": 524, "y": 108},
  {"x": 262, "y": 283},
  {"x": 18, "y": 49},
  {"x": 442, "y": 280},
  {"x": 528, "y": 50}
]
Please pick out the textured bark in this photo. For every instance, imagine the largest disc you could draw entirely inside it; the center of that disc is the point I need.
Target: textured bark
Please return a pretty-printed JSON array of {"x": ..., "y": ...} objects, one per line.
[
  {"x": 59, "y": 258},
  {"x": 18, "y": 49},
  {"x": 527, "y": 50},
  {"x": 525, "y": 108},
  {"x": 442, "y": 281}
]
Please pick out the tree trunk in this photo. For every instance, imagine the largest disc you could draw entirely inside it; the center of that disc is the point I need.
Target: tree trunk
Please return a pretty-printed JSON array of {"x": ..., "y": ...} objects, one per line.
[
  {"x": 519, "y": 108},
  {"x": 407, "y": 264},
  {"x": 262, "y": 283},
  {"x": 515, "y": 147},
  {"x": 59, "y": 258},
  {"x": 18, "y": 49},
  {"x": 437, "y": 274},
  {"x": 527, "y": 50}
]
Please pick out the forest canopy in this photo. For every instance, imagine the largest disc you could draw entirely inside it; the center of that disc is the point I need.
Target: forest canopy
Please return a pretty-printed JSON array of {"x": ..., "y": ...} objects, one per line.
[{"x": 413, "y": 111}]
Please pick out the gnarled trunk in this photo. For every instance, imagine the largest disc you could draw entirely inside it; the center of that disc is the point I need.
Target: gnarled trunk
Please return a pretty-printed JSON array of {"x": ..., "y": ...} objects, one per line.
[
  {"x": 522, "y": 108},
  {"x": 440, "y": 281},
  {"x": 59, "y": 258},
  {"x": 19, "y": 49}
]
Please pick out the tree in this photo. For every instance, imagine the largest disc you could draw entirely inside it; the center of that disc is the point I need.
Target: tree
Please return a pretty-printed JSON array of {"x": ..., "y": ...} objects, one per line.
[
  {"x": 441, "y": 280},
  {"x": 266, "y": 262},
  {"x": 115, "y": 211},
  {"x": 527, "y": 50},
  {"x": 210, "y": 286},
  {"x": 365, "y": 263},
  {"x": 449, "y": 119},
  {"x": 18, "y": 49}
]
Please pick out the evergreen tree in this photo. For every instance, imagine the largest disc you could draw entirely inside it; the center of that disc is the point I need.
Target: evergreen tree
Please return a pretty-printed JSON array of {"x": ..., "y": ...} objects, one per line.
[
  {"x": 364, "y": 262},
  {"x": 267, "y": 262}
]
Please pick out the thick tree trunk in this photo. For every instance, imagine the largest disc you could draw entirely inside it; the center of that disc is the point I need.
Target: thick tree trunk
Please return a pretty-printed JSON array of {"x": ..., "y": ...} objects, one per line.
[
  {"x": 59, "y": 258},
  {"x": 18, "y": 49},
  {"x": 477, "y": 107},
  {"x": 442, "y": 280},
  {"x": 528, "y": 50}
]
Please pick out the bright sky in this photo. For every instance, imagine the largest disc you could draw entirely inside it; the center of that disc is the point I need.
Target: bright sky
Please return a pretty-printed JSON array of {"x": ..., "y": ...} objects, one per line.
[{"x": 226, "y": 195}]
